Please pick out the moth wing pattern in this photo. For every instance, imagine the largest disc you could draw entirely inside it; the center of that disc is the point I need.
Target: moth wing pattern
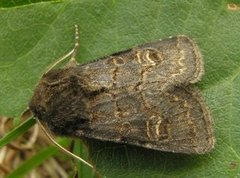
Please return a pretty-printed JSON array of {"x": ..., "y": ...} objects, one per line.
[
  {"x": 140, "y": 96},
  {"x": 174, "y": 121},
  {"x": 162, "y": 64}
]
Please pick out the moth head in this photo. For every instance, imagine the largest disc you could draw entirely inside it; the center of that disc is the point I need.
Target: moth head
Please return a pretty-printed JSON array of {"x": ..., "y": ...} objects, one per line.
[
  {"x": 57, "y": 99},
  {"x": 44, "y": 92}
]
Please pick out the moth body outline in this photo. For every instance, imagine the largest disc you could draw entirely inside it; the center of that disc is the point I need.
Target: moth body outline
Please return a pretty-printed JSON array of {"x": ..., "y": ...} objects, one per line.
[{"x": 141, "y": 96}]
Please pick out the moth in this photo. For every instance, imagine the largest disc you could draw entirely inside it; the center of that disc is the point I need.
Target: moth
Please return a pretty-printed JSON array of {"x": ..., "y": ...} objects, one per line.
[{"x": 142, "y": 96}]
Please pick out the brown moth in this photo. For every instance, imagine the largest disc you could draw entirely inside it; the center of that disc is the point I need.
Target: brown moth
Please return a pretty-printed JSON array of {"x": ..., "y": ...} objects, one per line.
[{"x": 141, "y": 96}]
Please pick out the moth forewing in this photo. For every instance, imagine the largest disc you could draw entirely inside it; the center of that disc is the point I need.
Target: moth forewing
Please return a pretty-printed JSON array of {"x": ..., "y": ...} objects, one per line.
[
  {"x": 160, "y": 64},
  {"x": 173, "y": 121}
]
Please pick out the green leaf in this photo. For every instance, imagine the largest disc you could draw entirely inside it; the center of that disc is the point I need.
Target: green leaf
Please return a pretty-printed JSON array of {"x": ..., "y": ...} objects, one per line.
[
  {"x": 32, "y": 37},
  {"x": 16, "y": 132},
  {"x": 81, "y": 150},
  {"x": 14, "y": 3}
]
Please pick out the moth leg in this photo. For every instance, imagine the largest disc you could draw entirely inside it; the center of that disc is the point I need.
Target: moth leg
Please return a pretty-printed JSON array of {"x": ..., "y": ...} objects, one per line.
[{"x": 72, "y": 53}]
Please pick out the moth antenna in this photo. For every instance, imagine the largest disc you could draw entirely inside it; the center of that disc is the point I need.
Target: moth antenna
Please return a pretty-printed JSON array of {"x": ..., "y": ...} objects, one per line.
[
  {"x": 62, "y": 148},
  {"x": 76, "y": 47},
  {"x": 71, "y": 53}
]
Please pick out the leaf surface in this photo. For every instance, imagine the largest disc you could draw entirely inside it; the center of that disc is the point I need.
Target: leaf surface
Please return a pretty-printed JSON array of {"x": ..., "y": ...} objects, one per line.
[{"x": 34, "y": 36}]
